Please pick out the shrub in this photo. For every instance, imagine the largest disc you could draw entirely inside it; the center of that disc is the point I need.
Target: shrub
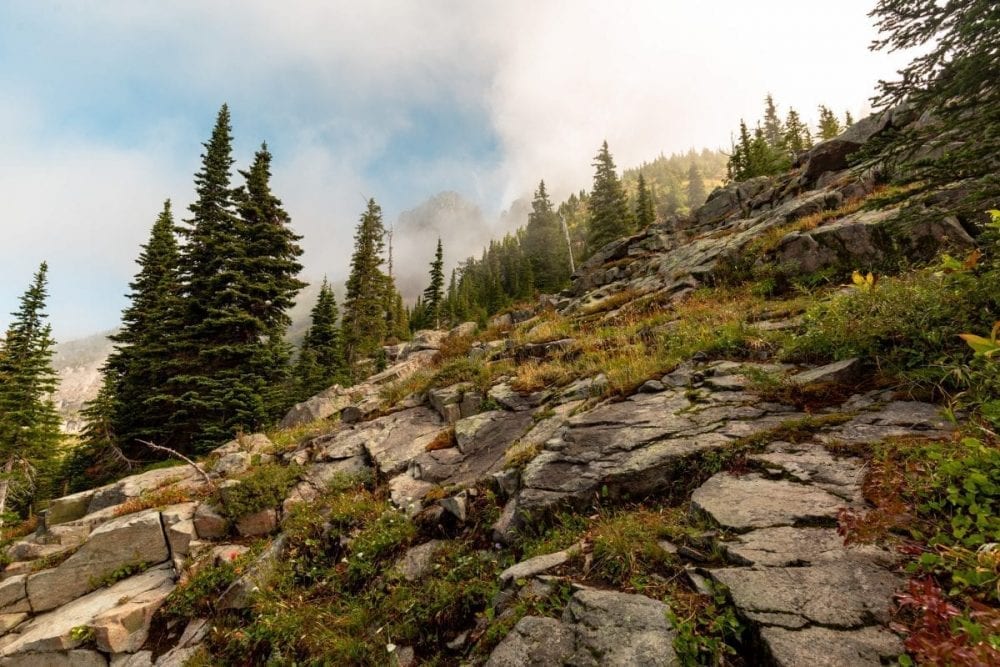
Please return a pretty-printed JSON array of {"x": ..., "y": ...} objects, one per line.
[{"x": 264, "y": 488}]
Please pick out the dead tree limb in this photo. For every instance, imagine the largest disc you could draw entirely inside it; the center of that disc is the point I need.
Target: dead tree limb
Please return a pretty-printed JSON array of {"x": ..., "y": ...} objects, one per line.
[{"x": 174, "y": 452}]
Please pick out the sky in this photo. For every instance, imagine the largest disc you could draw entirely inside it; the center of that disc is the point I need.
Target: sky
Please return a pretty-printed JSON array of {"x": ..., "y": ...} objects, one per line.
[{"x": 104, "y": 106}]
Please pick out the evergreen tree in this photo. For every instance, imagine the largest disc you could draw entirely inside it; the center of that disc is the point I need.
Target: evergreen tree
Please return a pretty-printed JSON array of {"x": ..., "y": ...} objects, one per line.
[
  {"x": 363, "y": 325},
  {"x": 29, "y": 424},
  {"x": 139, "y": 369},
  {"x": 695, "y": 187},
  {"x": 797, "y": 137},
  {"x": 955, "y": 77},
  {"x": 645, "y": 213},
  {"x": 774, "y": 133},
  {"x": 545, "y": 246},
  {"x": 268, "y": 284},
  {"x": 434, "y": 294},
  {"x": 609, "y": 215},
  {"x": 238, "y": 277},
  {"x": 321, "y": 361},
  {"x": 829, "y": 126},
  {"x": 397, "y": 323},
  {"x": 848, "y": 119}
]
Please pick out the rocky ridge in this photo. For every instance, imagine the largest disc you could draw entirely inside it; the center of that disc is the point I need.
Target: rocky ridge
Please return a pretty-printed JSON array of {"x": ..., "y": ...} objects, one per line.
[{"x": 85, "y": 587}]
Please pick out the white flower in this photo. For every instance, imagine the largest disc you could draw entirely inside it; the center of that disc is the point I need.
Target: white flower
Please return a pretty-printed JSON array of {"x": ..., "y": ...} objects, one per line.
[{"x": 390, "y": 647}]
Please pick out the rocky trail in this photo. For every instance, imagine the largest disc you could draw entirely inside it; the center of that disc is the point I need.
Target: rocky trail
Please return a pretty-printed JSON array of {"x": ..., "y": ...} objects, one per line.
[{"x": 768, "y": 477}]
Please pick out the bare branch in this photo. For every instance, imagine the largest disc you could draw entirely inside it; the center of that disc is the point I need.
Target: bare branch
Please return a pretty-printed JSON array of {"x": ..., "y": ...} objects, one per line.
[{"x": 175, "y": 453}]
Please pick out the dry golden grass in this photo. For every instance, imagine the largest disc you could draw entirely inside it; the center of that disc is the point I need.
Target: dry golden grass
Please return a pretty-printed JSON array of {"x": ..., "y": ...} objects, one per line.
[
  {"x": 443, "y": 440},
  {"x": 168, "y": 495}
]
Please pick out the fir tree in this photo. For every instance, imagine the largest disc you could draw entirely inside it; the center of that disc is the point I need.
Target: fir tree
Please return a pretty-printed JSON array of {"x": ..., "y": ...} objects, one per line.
[
  {"x": 774, "y": 133},
  {"x": 955, "y": 77},
  {"x": 434, "y": 294},
  {"x": 610, "y": 218},
  {"x": 695, "y": 187},
  {"x": 321, "y": 361},
  {"x": 645, "y": 213},
  {"x": 848, "y": 119},
  {"x": 238, "y": 276},
  {"x": 797, "y": 137},
  {"x": 139, "y": 369},
  {"x": 268, "y": 284},
  {"x": 829, "y": 126},
  {"x": 29, "y": 424},
  {"x": 545, "y": 245},
  {"x": 363, "y": 324}
]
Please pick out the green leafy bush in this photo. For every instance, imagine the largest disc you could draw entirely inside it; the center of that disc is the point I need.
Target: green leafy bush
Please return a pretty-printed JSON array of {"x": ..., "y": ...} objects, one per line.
[{"x": 264, "y": 488}]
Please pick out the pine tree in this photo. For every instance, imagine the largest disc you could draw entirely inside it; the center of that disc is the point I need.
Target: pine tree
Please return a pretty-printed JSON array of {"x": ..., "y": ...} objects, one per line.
[
  {"x": 774, "y": 133},
  {"x": 29, "y": 424},
  {"x": 695, "y": 187},
  {"x": 955, "y": 78},
  {"x": 321, "y": 361},
  {"x": 363, "y": 323},
  {"x": 545, "y": 246},
  {"x": 610, "y": 218},
  {"x": 797, "y": 137},
  {"x": 848, "y": 119},
  {"x": 238, "y": 277},
  {"x": 829, "y": 126},
  {"x": 139, "y": 369},
  {"x": 268, "y": 282},
  {"x": 434, "y": 294},
  {"x": 645, "y": 213}
]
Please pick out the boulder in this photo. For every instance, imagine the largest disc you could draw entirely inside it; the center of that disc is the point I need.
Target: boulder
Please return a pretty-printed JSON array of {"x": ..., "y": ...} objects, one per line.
[
  {"x": 14, "y": 595},
  {"x": 209, "y": 524},
  {"x": 132, "y": 540},
  {"x": 463, "y": 330},
  {"x": 534, "y": 642},
  {"x": 323, "y": 405},
  {"x": 68, "y": 508},
  {"x": 447, "y": 401},
  {"x": 124, "y": 628},
  {"x": 259, "y": 523},
  {"x": 597, "y": 628},
  {"x": 240, "y": 592},
  {"x": 178, "y": 522},
  {"x": 362, "y": 410},
  {"x": 839, "y": 372},
  {"x": 417, "y": 561},
  {"x": 53, "y": 631}
]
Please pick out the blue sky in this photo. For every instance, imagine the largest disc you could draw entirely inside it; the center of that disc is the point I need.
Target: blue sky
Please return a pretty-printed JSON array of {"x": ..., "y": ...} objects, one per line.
[{"x": 104, "y": 105}]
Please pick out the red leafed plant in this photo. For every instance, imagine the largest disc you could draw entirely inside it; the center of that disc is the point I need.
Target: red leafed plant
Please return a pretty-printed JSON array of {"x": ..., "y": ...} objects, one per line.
[{"x": 939, "y": 633}]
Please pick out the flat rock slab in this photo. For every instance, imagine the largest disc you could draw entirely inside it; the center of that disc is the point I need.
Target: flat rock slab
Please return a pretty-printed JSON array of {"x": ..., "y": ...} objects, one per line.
[
  {"x": 840, "y": 594},
  {"x": 896, "y": 419},
  {"x": 53, "y": 631},
  {"x": 754, "y": 501},
  {"x": 787, "y": 546},
  {"x": 597, "y": 628},
  {"x": 394, "y": 440},
  {"x": 814, "y": 464},
  {"x": 824, "y": 647},
  {"x": 635, "y": 447},
  {"x": 128, "y": 541}
]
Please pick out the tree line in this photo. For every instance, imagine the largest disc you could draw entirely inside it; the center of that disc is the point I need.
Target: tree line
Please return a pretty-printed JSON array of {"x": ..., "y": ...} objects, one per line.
[{"x": 774, "y": 143}]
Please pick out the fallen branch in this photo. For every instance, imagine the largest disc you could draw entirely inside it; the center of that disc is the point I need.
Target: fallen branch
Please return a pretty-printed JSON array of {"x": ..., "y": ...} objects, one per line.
[{"x": 174, "y": 452}]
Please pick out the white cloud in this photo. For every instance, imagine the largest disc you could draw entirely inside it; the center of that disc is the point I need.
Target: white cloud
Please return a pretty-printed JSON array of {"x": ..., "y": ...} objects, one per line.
[{"x": 337, "y": 81}]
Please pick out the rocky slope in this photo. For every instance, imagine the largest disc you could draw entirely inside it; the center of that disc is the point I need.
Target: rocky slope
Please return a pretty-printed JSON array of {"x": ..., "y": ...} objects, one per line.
[{"x": 468, "y": 456}]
